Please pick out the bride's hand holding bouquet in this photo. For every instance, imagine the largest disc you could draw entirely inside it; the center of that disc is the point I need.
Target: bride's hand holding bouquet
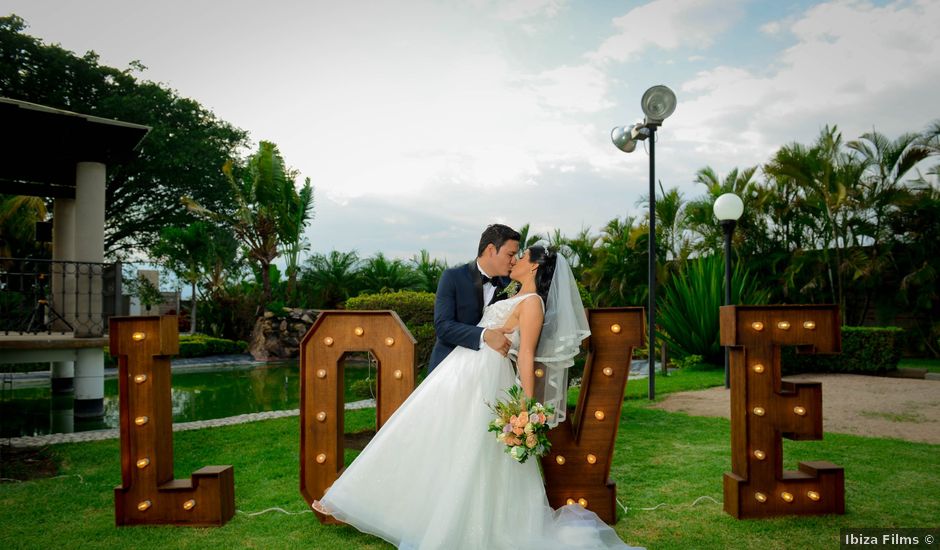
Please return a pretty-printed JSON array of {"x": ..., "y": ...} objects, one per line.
[{"x": 521, "y": 425}]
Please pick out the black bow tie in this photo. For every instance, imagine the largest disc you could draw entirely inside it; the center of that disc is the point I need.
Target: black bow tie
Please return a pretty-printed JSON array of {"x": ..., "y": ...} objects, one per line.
[{"x": 492, "y": 280}]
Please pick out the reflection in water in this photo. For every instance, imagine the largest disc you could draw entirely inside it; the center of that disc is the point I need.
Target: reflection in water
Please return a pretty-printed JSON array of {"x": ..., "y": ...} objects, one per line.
[{"x": 219, "y": 393}]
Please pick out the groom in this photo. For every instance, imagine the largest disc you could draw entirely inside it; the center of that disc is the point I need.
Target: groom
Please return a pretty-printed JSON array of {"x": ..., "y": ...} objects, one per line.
[{"x": 463, "y": 290}]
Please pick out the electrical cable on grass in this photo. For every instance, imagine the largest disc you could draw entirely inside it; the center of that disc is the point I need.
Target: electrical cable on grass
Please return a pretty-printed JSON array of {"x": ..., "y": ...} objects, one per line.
[
  {"x": 274, "y": 509},
  {"x": 660, "y": 505}
]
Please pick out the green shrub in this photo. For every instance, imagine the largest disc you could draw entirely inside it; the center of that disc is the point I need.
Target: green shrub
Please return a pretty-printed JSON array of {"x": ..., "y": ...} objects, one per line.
[
  {"x": 688, "y": 310},
  {"x": 201, "y": 345},
  {"x": 865, "y": 350},
  {"x": 688, "y": 361},
  {"x": 364, "y": 388},
  {"x": 416, "y": 310}
]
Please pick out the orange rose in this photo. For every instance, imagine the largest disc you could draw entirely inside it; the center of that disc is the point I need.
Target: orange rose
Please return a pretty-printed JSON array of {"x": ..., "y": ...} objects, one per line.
[
  {"x": 518, "y": 431},
  {"x": 524, "y": 418},
  {"x": 531, "y": 441}
]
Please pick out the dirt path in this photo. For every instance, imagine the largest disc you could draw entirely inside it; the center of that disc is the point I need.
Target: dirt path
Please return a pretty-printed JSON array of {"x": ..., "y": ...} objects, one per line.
[{"x": 853, "y": 404}]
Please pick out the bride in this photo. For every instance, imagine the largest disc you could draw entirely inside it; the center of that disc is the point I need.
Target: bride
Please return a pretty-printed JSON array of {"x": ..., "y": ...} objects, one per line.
[{"x": 433, "y": 477}]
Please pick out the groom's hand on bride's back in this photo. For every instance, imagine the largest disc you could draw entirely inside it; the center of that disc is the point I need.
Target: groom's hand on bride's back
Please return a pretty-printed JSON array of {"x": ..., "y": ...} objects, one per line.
[{"x": 496, "y": 339}]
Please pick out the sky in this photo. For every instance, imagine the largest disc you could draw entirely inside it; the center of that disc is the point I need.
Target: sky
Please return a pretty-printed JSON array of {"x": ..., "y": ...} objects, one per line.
[{"x": 420, "y": 122}]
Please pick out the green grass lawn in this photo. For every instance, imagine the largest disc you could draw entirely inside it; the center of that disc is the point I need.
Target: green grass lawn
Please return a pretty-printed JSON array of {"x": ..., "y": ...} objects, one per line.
[
  {"x": 932, "y": 365},
  {"x": 662, "y": 458}
]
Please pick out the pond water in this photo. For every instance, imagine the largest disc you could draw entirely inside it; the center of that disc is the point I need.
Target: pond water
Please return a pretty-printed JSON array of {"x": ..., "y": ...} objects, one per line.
[{"x": 218, "y": 392}]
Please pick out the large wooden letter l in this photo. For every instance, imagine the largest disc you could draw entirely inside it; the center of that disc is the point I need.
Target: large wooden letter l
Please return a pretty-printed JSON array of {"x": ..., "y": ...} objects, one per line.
[{"x": 148, "y": 494}]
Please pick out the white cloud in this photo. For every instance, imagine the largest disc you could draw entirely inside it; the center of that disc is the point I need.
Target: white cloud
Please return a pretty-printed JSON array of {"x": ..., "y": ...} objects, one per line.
[
  {"x": 854, "y": 65},
  {"x": 581, "y": 89},
  {"x": 516, "y": 10},
  {"x": 668, "y": 25},
  {"x": 772, "y": 28}
]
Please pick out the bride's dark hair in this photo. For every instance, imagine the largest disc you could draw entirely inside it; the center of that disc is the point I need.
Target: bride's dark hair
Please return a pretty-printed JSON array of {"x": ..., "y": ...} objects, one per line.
[{"x": 545, "y": 258}]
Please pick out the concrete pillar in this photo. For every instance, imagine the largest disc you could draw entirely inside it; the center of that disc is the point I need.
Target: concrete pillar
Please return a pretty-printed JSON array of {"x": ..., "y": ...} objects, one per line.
[
  {"x": 89, "y": 246},
  {"x": 61, "y": 417},
  {"x": 62, "y": 297},
  {"x": 89, "y": 383},
  {"x": 63, "y": 374}
]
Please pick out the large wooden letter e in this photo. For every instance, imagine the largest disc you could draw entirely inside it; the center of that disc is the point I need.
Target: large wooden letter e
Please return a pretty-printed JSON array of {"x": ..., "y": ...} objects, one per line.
[{"x": 764, "y": 408}]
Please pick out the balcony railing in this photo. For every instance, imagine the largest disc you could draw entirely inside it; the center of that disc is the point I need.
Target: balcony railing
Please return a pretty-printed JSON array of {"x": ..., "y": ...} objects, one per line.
[{"x": 51, "y": 296}]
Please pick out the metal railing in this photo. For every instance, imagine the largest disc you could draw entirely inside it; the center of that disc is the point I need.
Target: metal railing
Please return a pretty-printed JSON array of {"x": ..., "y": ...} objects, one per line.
[{"x": 47, "y": 296}]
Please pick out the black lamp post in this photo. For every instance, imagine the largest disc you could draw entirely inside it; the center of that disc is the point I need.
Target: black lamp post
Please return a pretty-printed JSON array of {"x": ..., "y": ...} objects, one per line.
[
  {"x": 728, "y": 209},
  {"x": 657, "y": 103}
]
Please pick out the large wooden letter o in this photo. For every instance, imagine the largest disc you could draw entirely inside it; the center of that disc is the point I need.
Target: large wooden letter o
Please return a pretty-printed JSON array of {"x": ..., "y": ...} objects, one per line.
[
  {"x": 764, "y": 408},
  {"x": 332, "y": 336},
  {"x": 577, "y": 469}
]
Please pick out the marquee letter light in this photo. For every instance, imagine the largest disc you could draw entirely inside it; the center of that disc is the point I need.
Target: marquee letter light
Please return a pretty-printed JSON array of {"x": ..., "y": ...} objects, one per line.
[
  {"x": 148, "y": 494},
  {"x": 764, "y": 408},
  {"x": 577, "y": 469},
  {"x": 326, "y": 344}
]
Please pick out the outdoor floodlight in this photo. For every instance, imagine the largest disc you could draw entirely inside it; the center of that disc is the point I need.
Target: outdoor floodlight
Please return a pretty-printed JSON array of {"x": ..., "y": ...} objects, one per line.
[
  {"x": 622, "y": 139},
  {"x": 729, "y": 207},
  {"x": 658, "y": 103}
]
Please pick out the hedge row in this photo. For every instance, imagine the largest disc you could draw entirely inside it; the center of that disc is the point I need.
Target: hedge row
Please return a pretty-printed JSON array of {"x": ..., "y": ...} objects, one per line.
[
  {"x": 865, "y": 350},
  {"x": 416, "y": 310},
  {"x": 200, "y": 345}
]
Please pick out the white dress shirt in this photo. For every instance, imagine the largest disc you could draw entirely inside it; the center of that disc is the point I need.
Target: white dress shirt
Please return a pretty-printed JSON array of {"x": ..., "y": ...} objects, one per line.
[{"x": 488, "y": 292}]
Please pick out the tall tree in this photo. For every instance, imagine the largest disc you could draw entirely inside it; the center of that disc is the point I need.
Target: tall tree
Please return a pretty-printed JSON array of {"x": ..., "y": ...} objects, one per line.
[
  {"x": 180, "y": 156},
  {"x": 296, "y": 213},
  {"x": 18, "y": 217},
  {"x": 619, "y": 275},
  {"x": 429, "y": 269},
  {"x": 380, "y": 274},
  {"x": 196, "y": 254},
  {"x": 257, "y": 192},
  {"x": 333, "y": 277}
]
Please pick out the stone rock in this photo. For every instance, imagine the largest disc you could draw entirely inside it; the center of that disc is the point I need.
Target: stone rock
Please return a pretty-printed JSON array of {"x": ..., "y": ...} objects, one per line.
[
  {"x": 278, "y": 336},
  {"x": 256, "y": 341}
]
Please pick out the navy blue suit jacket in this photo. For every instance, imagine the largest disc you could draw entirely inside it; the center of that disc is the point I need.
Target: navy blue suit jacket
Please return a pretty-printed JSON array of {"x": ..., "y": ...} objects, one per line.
[{"x": 458, "y": 307}]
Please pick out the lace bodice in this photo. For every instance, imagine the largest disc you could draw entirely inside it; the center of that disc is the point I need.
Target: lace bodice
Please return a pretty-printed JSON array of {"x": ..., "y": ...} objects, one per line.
[{"x": 495, "y": 316}]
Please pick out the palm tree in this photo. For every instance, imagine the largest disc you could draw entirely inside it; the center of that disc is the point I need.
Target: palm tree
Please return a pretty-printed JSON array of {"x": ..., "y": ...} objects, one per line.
[
  {"x": 332, "y": 277},
  {"x": 258, "y": 194},
  {"x": 429, "y": 270},
  {"x": 886, "y": 164},
  {"x": 700, "y": 218},
  {"x": 296, "y": 212},
  {"x": 526, "y": 240},
  {"x": 827, "y": 178},
  {"x": 379, "y": 274},
  {"x": 618, "y": 277},
  {"x": 670, "y": 223},
  {"x": 582, "y": 251},
  {"x": 18, "y": 217}
]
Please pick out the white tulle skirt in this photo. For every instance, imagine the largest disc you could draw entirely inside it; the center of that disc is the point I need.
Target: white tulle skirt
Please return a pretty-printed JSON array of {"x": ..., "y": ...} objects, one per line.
[{"x": 434, "y": 478}]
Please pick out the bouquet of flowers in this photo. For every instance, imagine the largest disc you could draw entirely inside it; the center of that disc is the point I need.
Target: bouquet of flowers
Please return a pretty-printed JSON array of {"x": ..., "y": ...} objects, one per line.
[{"x": 520, "y": 425}]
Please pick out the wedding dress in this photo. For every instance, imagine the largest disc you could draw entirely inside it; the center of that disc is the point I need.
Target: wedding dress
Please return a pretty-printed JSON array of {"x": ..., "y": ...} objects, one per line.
[{"x": 434, "y": 478}]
